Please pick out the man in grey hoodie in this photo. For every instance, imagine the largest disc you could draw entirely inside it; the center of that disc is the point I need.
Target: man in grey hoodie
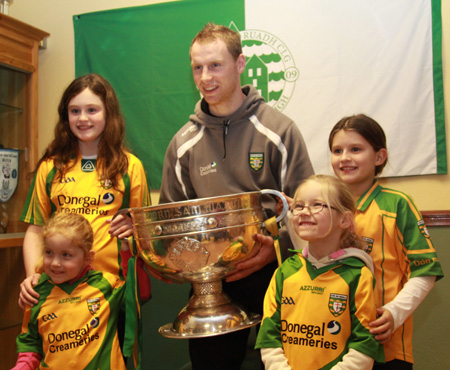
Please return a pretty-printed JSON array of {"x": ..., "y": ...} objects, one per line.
[{"x": 233, "y": 143}]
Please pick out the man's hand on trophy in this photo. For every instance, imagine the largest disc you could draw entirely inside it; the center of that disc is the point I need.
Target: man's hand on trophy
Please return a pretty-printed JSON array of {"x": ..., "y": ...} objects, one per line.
[{"x": 262, "y": 254}]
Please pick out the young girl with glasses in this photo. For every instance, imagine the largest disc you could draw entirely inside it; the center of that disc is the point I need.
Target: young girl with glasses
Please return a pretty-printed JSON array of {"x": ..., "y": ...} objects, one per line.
[
  {"x": 320, "y": 301},
  {"x": 405, "y": 261}
]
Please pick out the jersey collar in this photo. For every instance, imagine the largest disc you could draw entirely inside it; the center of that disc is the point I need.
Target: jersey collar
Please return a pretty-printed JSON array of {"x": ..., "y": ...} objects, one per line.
[{"x": 365, "y": 199}]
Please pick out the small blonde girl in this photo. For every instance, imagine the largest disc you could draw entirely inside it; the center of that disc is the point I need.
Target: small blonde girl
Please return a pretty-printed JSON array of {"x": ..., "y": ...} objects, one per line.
[
  {"x": 320, "y": 301},
  {"x": 74, "y": 323},
  {"x": 68, "y": 228}
]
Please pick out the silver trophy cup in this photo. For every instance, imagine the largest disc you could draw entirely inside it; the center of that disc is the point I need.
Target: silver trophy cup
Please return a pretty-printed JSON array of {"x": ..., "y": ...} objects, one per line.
[{"x": 199, "y": 241}]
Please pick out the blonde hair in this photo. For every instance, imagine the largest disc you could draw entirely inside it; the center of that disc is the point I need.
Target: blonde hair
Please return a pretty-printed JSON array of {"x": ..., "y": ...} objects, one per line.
[
  {"x": 72, "y": 226},
  {"x": 338, "y": 195}
]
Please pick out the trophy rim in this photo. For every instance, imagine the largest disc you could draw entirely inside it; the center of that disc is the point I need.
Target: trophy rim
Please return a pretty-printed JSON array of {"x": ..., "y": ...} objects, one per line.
[
  {"x": 195, "y": 232},
  {"x": 193, "y": 201}
]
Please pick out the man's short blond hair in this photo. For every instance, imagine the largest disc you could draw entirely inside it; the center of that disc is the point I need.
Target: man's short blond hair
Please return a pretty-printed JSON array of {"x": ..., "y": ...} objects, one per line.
[{"x": 212, "y": 32}]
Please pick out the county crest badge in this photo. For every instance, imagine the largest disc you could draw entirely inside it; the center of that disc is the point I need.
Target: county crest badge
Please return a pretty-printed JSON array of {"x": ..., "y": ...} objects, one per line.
[
  {"x": 93, "y": 305},
  {"x": 9, "y": 173},
  {"x": 256, "y": 161},
  {"x": 337, "y": 304},
  {"x": 270, "y": 66},
  {"x": 369, "y": 242},
  {"x": 106, "y": 184},
  {"x": 423, "y": 229}
]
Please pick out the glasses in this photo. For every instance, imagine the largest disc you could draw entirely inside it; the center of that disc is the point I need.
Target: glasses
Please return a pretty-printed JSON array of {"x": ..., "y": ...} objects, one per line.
[{"x": 312, "y": 208}]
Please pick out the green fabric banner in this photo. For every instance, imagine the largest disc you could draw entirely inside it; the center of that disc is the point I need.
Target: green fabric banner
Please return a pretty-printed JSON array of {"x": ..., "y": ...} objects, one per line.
[
  {"x": 438, "y": 79},
  {"x": 316, "y": 61},
  {"x": 144, "y": 53}
]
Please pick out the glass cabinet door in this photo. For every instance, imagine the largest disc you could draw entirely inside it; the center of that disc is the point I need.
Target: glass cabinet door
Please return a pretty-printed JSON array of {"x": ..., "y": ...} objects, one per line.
[{"x": 14, "y": 138}]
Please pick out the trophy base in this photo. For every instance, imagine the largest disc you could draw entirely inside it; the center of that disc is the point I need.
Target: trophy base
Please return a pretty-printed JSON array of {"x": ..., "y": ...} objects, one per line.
[
  {"x": 210, "y": 325},
  {"x": 209, "y": 312}
]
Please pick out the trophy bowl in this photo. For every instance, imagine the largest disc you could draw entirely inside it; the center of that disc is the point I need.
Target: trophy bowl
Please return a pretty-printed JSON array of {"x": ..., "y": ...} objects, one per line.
[{"x": 199, "y": 241}]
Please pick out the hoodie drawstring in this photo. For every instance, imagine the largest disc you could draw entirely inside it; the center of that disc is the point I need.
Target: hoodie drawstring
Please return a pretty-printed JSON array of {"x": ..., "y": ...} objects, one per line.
[{"x": 226, "y": 124}]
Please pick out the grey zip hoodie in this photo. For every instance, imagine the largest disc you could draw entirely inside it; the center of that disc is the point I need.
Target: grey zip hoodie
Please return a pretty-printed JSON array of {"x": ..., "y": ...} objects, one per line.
[{"x": 255, "y": 148}]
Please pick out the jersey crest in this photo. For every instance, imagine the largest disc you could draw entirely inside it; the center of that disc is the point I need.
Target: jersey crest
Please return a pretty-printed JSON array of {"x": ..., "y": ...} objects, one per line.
[
  {"x": 106, "y": 184},
  {"x": 337, "y": 304},
  {"x": 256, "y": 161},
  {"x": 93, "y": 305},
  {"x": 369, "y": 242},
  {"x": 423, "y": 229}
]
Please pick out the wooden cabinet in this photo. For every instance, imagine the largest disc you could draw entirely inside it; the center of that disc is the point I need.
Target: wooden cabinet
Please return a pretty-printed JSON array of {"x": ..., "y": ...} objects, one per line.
[{"x": 19, "y": 52}]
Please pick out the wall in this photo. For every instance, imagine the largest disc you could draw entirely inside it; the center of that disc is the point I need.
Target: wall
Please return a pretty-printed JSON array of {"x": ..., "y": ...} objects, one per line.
[
  {"x": 57, "y": 63},
  {"x": 431, "y": 324},
  {"x": 430, "y": 192},
  {"x": 57, "y": 70}
]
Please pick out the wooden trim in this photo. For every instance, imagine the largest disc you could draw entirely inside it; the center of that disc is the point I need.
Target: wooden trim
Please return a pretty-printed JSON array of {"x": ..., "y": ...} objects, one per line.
[
  {"x": 11, "y": 240},
  {"x": 436, "y": 218},
  {"x": 19, "y": 44}
]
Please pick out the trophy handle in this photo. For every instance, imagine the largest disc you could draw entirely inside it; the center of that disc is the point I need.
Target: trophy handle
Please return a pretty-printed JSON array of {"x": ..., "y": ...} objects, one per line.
[{"x": 283, "y": 199}]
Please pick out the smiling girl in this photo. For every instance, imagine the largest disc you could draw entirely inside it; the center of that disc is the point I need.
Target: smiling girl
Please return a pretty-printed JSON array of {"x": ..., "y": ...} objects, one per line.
[
  {"x": 86, "y": 169},
  {"x": 405, "y": 261},
  {"x": 74, "y": 325},
  {"x": 320, "y": 301}
]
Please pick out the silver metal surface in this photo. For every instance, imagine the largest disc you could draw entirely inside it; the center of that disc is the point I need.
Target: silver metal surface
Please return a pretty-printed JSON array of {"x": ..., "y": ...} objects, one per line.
[
  {"x": 199, "y": 241},
  {"x": 210, "y": 327}
]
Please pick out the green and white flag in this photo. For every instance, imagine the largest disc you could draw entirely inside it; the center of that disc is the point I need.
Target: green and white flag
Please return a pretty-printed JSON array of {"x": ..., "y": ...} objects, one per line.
[{"x": 316, "y": 61}]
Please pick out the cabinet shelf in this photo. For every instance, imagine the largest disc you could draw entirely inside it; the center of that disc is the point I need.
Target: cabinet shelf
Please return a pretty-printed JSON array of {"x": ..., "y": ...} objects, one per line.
[
  {"x": 11, "y": 240},
  {"x": 7, "y": 109}
]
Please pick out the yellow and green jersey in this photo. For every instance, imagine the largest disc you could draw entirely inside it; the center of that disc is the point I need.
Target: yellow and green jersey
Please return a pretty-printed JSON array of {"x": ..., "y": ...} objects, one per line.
[
  {"x": 74, "y": 325},
  {"x": 81, "y": 191},
  {"x": 400, "y": 247},
  {"x": 316, "y": 315}
]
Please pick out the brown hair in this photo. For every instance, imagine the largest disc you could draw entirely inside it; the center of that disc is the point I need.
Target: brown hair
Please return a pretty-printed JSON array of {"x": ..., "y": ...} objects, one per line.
[
  {"x": 368, "y": 128},
  {"x": 72, "y": 226},
  {"x": 212, "y": 32},
  {"x": 112, "y": 159},
  {"x": 338, "y": 195}
]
